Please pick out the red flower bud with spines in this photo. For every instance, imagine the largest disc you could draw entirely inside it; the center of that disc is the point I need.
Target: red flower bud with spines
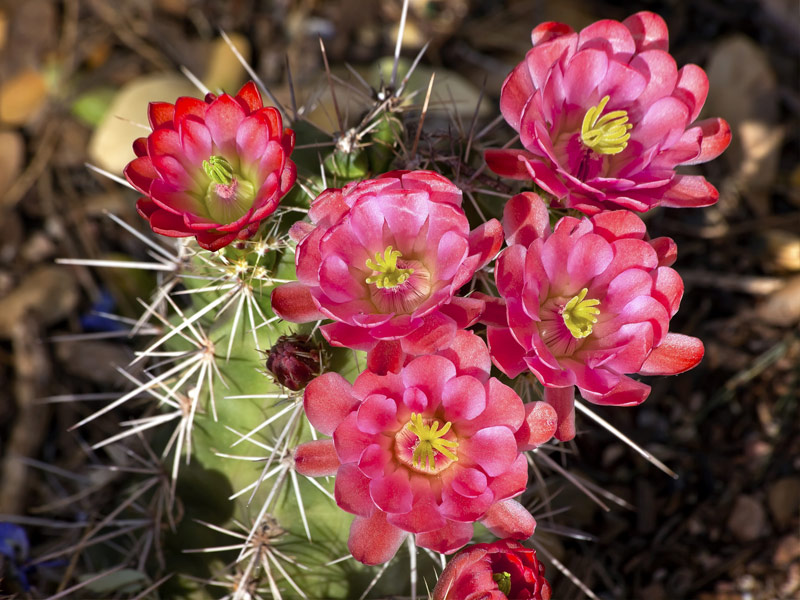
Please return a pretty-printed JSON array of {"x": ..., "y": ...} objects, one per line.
[
  {"x": 502, "y": 570},
  {"x": 293, "y": 361},
  {"x": 213, "y": 168}
]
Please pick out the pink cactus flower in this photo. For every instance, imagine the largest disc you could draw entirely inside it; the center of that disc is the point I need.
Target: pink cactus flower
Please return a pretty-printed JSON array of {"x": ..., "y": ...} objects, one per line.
[
  {"x": 384, "y": 261},
  {"x": 497, "y": 571},
  {"x": 428, "y": 450},
  {"x": 212, "y": 169},
  {"x": 585, "y": 304},
  {"x": 605, "y": 116}
]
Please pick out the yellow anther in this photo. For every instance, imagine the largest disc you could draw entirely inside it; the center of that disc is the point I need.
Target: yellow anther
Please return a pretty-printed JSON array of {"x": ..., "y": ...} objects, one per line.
[
  {"x": 431, "y": 440},
  {"x": 387, "y": 273},
  {"x": 608, "y": 134},
  {"x": 580, "y": 315}
]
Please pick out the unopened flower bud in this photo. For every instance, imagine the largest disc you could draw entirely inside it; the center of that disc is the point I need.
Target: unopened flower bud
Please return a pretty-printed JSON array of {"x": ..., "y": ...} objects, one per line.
[{"x": 294, "y": 361}]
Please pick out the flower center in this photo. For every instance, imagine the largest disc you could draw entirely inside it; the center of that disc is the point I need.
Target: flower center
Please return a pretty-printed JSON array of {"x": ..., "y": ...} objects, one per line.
[
  {"x": 607, "y": 134},
  {"x": 228, "y": 196},
  {"x": 579, "y": 315},
  {"x": 385, "y": 272},
  {"x": 503, "y": 581},
  {"x": 218, "y": 169},
  {"x": 430, "y": 440}
]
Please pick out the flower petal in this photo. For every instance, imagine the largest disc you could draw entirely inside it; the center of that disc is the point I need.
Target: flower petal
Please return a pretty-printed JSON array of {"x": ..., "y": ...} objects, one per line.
[
  {"x": 509, "y": 519},
  {"x": 676, "y": 354},
  {"x": 374, "y": 540},
  {"x": 327, "y": 400},
  {"x": 493, "y": 448},
  {"x": 293, "y": 302},
  {"x": 351, "y": 491},
  {"x": 448, "y": 539},
  {"x": 316, "y": 458}
]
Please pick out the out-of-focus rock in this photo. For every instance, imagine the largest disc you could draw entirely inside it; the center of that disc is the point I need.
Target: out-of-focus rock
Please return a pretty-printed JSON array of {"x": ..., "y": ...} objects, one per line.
[
  {"x": 224, "y": 71},
  {"x": 784, "y": 500},
  {"x": 22, "y": 96},
  {"x": 111, "y": 144},
  {"x": 787, "y": 552},
  {"x": 748, "y": 519},
  {"x": 49, "y": 293},
  {"x": 782, "y": 307},
  {"x": 783, "y": 250},
  {"x": 744, "y": 92},
  {"x": 95, "y": 361},
  {"x": 12, "y": 155}
]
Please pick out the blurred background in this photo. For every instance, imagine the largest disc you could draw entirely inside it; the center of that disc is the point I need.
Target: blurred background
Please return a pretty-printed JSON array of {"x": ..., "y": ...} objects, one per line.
[{"x": 75, "y": 76}]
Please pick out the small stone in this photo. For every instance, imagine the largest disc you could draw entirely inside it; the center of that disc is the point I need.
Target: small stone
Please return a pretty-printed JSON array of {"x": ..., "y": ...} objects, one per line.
[
  {"x": 748, "y": 519},
  {"x": 783, "y": 497},
  {"x": 787, "y": 552}
]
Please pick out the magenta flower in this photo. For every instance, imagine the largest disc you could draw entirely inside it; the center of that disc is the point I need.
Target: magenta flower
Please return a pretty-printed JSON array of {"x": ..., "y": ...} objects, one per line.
[
  {"x": 606, "y": 116},
  {"x": 585, "y": 304},
  {"x": 428, "y": 450},
  {"x": 498, "y": 571},
  {"x": 384, "y": 262},
  {"x": 212, "y": 169}
]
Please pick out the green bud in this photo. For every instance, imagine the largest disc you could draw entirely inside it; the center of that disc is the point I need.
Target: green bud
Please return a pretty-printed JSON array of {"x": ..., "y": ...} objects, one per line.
[{"x": 347, "y": 165}]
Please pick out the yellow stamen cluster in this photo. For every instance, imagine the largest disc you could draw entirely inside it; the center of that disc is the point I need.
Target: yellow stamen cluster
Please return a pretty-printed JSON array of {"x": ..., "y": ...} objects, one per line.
[
  {"x": 608, "y": 134},
  {"x": 388, "y": 274},
  {"x": 431, "y": 440},
  {"x": 580, "y": 315}
]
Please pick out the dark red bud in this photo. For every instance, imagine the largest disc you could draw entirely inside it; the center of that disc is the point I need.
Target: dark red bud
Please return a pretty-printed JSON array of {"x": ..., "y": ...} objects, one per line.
[{"x": 293, "y": 361}]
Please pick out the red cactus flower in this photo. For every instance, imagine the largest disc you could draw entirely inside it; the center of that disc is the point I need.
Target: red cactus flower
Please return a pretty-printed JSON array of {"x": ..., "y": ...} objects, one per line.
[
  {"x": 212, "y": 169},
  {"x": 501, "y": 570},
  {"x": 427, "y": 451},
  {"x": 585, "y": 304},
  {"x": 605, "y": 116},
  {"x": 384, "y": 260}
]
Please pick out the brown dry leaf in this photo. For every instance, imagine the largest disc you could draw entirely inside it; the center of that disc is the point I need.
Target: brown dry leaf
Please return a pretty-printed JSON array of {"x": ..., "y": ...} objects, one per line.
[
  {"x": 111, "y": 145},
  {"x": 50, "y": 293},
  {"x": 12, "y": 156},
  {"x": 782, "y": 307},
  {"x": 744, "y": 92},
  {"x": 22, "y": 96},
  {"x": 224, "y": 71}
]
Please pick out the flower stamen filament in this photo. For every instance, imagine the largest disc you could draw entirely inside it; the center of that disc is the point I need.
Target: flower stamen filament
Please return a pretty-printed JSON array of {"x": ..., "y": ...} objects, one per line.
[
  {"x": 387, "y": 273},
  {"x": 580, "y": 315},
  {"x": 606, "y": 134},
  {"x": 431, "y": 440}
]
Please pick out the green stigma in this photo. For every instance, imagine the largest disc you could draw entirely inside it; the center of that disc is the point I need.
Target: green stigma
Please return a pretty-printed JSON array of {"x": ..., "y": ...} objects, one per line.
[
  {"x": 387, "y": 275},
  {"x": 580, "y": 315},
  {"x": 219, "y": 170},
  {"x": 431, "y": 440},
  {"x": 503, "y": 581},
  {"x": 608, "y": 134}
]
